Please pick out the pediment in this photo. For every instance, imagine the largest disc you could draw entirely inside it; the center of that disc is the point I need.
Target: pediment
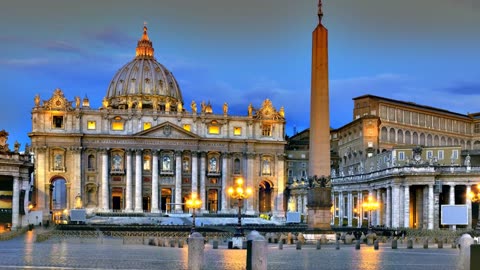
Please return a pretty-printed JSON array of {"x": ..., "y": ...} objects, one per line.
[{"x": 167, "y": 130}]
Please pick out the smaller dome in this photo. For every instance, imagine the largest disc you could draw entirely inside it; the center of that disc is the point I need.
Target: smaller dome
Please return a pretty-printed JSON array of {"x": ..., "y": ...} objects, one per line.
[{"x": 144, "y": 83}]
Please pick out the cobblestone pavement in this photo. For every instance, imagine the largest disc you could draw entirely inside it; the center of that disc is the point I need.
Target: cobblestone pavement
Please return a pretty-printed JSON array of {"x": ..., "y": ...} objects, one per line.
[{"x": 24, "y": 253}]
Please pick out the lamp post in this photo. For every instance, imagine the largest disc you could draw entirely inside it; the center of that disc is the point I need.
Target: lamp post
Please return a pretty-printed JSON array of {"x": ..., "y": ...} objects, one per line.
[
  {"x": 239, "y": 192},
  {"x": 193, "y": 202},
  {"x": 475, "y": 197},
  {"x": 369, "y": 206}
]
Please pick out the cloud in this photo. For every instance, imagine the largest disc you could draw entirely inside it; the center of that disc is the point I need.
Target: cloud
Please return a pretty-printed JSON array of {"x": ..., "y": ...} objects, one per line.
[
  {"x": 25, "y": 62},
  {"x": 464, "y": 88},
  {"x": 111, "y": 36},
  {"x": 63, "y": 46}
]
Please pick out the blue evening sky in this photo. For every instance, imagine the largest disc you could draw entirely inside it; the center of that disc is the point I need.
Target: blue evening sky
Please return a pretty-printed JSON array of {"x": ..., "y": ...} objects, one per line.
[{"x": 423, "y": 51}]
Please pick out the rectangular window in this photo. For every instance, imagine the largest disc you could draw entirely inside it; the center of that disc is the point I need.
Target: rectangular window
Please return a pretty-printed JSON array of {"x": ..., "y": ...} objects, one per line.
[
  {"x": 401, "y": 155},
  {"x": 57, "y": 121},
  {"x": 454, "y": 154},
  {"x": 117, "y": 125},
  {"x": 476, "y": 128},
  {"x": 187, "y": 127},
  {"x": 237, "y": 131},
  {"x": 440, "y": 155},
  {"x": 267, "y": 130},
  {"x": 147, "y": 125},
  {"x": 429, "y": 154},
  {"x": 91, "y": 125},
  {"x": 214, "y": 130}
]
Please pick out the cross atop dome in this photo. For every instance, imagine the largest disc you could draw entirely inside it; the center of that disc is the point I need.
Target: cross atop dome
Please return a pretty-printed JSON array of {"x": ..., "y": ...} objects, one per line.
[{"x": 320, "y": 11}]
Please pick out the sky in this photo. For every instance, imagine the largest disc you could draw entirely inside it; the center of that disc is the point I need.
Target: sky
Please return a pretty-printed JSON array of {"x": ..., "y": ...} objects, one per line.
[{"x": 422, "y": 51}]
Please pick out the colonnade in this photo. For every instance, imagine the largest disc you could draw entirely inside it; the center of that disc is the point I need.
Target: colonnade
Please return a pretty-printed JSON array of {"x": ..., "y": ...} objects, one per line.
[{"x": 399, "y": 205}]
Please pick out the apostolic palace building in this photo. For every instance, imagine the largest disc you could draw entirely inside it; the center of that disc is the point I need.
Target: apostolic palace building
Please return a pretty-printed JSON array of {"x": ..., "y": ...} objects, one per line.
[{"x": 147, "y": 150}]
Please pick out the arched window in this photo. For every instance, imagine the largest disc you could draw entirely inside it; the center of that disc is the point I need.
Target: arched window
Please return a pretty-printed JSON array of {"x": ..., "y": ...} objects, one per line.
[
  {"x": 236, "y": 166},
  {"x": 146, "y": 162}
]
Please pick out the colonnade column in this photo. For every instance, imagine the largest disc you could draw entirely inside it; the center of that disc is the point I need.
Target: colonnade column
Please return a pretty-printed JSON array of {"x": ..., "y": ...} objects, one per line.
[
  {"x": 332, "y": 221},
  {"x": 129, "y": 184},
  {"x": 224, "y": 182},
  {"x": 105, "y": 188},
  {"x": 360, "y": 209},
  {"x": 16, "y": 203},
  {"x": 451, "y": 201},
  {"x": 430, "y": 207},
  {"x": 138, "y": 181},
  {"x": 469, "y": 206},
  {"x": 304, "y": 205},
  {"x": 388, "y": 205},
  {"x": 406, "y": 214},
  {"x": 280, "y": 187},
  {"x": 203, "y": 157},
  {"x": 349, "y": 209},
  {"x": 155, "y": 208},
  {"x": 178, "y": 182},
  {"x": 379, "y": 209},
  {"x": 395, "y": 206},
  {"x": 340, "y": 208}
]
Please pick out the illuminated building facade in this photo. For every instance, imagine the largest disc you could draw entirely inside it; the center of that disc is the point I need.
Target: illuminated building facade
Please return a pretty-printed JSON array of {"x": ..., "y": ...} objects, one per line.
[{"x": 144, "y": 150}]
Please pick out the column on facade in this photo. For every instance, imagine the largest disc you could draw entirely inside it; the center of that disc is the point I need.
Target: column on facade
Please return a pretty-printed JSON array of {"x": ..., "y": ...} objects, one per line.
[
  {"x": 349, "y": 209},
  {"x": 388, "y": 208},
  {"x": 203, "y": 168},
  {"x": 178, "y": 182},
  {"x": 15, "y": 203},
  {"x": 195, "y": 172},
  {"x": 298, "y": 199},
  {"x": 224, "y": 182},
  {"x": 77, "y": 183},
  {"x": 155, "y": 205},
  {"x": 68, "y": 186},
  {"x": 395, "y": 206},
  {"x": 406, "y": 199},
  {"x": 138, "y": 181},
  {"x": 360, "y": 208},
  {"x": 378, "y": 220},
  {"x": 371, "y": 214},
  {"x": 469, "y": 206},
  {"x": 129, "y": 184},
  {"x": 105, "y": 187},
  {"x": 451, "y": 201},
  {"x": 249, "y": 183},
  {"x": 430, "y": 207}
]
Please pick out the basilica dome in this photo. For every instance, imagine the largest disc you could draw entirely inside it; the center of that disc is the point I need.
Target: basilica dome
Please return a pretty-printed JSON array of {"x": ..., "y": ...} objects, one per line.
[{"x": 144, "y": 83}]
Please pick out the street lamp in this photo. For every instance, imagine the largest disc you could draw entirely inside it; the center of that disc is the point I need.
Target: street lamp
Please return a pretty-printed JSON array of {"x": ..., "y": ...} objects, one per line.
[
  {"x": 475, "y": 197},
  {"x": 194, "y": 203},
  {"x": 369, "y": 206},
  {"x": 239, "y": 192}
]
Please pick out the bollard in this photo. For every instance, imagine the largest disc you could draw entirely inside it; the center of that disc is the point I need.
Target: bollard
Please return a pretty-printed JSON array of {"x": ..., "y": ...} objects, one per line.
[
  {"x": 454, "y": 246},
  {"x": 319, "y": 244},
  {"x": 280, "y": 245},
  {"x": 394, "y": 244},
  {"x": 337, "y": 244},
  {"x": 256, "y": 251},
  {"x": 196, "y": 248},
  {"x": 409, "y": 243},
  {"x": 215, "y": 244},
  {"x": 375, "y": 245},
  {"x": 299, "y": 245},
  {"x": 425, "y": 243},
  {"x": 464, "y": 244},
  {"x": 180, "y": 243},
  {"x": 357, "y": 244},
  {"x": 440, "y": 244}
]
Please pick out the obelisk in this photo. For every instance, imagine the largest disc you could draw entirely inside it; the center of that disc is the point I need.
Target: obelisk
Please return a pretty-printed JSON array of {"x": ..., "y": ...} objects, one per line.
[
  {"x": 319, "y": 195},
  {"x": 319, "y": 153}
]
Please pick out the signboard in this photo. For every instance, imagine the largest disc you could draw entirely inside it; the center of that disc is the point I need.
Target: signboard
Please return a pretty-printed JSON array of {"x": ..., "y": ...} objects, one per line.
[
  {"x": 293, "y": 217},
  {"x": 78, "y": 216},
  {"x": 454, "y": 214}
]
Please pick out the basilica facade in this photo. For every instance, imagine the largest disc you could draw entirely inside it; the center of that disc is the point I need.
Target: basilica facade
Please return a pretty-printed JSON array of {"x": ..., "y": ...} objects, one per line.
[{"x": 145, "y": 150}]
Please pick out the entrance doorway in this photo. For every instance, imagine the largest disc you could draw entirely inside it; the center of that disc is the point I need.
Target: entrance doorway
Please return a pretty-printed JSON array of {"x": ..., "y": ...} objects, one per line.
[
  {"x": 265, "y": 197},
  {"x": 117, "y": 196},
  {"x": 146, "y": 204},
  {"x": 212, "y": 198},
  {"x": 166, "y": 200}
]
